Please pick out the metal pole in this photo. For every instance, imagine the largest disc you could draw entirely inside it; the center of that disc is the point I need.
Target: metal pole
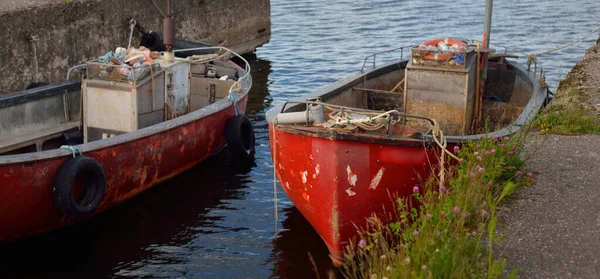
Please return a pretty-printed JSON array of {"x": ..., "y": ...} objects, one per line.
[
  {"x": 169, "y": 33},
  {"x": 487, "y": 25}
]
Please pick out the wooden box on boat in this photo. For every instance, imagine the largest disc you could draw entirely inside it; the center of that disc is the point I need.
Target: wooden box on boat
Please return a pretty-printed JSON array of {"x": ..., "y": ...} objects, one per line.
[
  {"x": 445, "y": 94},
  {"x": 116, "y": 107}
]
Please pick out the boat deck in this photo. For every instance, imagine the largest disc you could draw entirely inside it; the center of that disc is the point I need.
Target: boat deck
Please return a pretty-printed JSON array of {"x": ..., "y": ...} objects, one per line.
[{"x": 35, "y": 137}]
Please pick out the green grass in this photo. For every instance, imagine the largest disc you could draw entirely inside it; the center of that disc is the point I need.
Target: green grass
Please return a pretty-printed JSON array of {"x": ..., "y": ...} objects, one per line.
[
  {"x": 452, "y": 233},
  {"x": 567, "y": 122},
  {"x": 569, "y": 113}
]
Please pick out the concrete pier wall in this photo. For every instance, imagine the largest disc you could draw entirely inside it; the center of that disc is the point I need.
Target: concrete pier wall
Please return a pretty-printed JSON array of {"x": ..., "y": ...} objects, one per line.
[{"x": 40, "y": 40}]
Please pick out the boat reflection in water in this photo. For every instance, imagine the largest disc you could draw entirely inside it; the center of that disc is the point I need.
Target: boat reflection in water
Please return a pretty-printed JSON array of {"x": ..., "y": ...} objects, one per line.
[
  {"x": 163, "y": 221},
  {"x": 296, "y": 244}
]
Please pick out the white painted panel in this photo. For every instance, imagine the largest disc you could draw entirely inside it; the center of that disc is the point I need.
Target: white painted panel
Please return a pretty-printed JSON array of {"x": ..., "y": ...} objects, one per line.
[{"x": 110, "y": 109}]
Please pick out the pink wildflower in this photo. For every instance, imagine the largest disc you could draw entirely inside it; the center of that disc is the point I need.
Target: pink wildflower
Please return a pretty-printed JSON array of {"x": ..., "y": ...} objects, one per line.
[
  {"x": 478, "y": 146},
  {"x": 472, "y": 175},
  {"x": 442, "y": 213},
  {"x": 502, "y": 145},
  {"x": 456, "y": 209},
  {"x": 529, "y": 174},
  {"x": 442, "y": 188},
  {"x": 480, "y": 169},
  {"x": 456, "y": 149},
  {"x": 437, "y": 233},
  {"x": 466, "y": 215},
  {"x": 460, "y": 159},
  {"x": 476, "y": 153},
  {"x": 429, "y": 215},
  {"x": 416, "y": 189},
  {"x": 416, "y": 233},
  {"x": 493, "y": 151},
  {"x": 513, "y": 148},
  {"x": 479, "y": 158},
  {"x": 506, "y": 138},
  {"x": 484, "y": 213},
  {"x": 489, "y": 184},
  {"x": 487, "y": 153},
  {"x": 518, "y": 174},
  {"x": 362, "y": 243}
]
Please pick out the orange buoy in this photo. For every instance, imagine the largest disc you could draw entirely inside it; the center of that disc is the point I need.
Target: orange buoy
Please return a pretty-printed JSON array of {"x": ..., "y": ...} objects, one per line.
[{"x": 443, "y": 56}]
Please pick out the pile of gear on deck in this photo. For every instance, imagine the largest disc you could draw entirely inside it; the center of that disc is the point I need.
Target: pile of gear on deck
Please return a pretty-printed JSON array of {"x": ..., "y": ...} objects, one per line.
[
  {"x": 128, "y": 65},
  {"x": 440, "y": 54}
]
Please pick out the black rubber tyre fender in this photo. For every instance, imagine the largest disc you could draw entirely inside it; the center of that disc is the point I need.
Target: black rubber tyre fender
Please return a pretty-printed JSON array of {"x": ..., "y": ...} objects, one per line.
[
  {"x": 95, "y": 186},
  {"x": 240, "y": 135}
]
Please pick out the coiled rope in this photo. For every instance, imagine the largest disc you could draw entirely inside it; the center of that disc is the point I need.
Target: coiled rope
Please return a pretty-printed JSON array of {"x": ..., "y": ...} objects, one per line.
[{"x": 373, "y": 122}]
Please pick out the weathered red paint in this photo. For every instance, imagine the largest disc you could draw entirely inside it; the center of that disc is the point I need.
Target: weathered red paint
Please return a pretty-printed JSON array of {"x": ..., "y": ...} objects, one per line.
[
  {"x": 26, "y": 204},
  {"x": 381, "y": 172}
]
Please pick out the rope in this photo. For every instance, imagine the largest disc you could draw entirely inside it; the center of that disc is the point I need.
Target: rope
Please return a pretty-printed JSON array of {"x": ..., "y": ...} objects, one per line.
[
  {"x": 437, "y": 134},
  {"x": 533, "y": 56},
  {"x": 34, "y": 39},
  {"x": 158, "y": 8},
  {"x": 275, "y": 181},
  {"x": 132, "y": 23},
  {"x": 73, "y": 149},
  {"x": 438, "y": 137}
]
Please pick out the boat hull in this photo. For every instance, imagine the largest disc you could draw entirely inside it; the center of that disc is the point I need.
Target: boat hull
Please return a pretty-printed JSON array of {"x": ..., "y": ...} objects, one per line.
[
  {"x": 132, "y": 162},
  {"x": 338, "y": 183}
]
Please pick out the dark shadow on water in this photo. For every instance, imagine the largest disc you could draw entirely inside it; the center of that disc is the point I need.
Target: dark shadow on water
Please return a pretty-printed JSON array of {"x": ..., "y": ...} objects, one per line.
[
  {"x": 96, "y": 248},
  {"x": 177, "y": 215},
  {"x": 291, "y": 250}
]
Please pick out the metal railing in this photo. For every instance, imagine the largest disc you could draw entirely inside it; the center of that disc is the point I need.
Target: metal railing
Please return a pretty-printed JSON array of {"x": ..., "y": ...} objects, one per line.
[
  {"x": 374, "y": 55},
  {"x": 342, "y": 108},
  {"x": 242, "y": 83},
  {"x": 536, "y": 63}
]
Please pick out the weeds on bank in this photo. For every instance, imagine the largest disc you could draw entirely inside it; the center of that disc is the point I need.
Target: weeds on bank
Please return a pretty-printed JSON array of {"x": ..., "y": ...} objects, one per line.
[
  {"x": 569, "y": 112},
  {"x": 452, "y": 233}
]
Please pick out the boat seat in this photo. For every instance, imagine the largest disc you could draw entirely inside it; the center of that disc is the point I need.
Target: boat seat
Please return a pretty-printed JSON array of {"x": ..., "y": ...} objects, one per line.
[{"x": 13, "y": 141}]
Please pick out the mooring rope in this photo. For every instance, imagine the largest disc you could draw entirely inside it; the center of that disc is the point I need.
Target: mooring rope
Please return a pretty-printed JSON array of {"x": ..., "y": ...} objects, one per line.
[
  {"x": 533, "y": 56},
  {"x": 132, "y": 24},
  {"x": 275, "y": 180},
  {"x": 158, "y": 8}
]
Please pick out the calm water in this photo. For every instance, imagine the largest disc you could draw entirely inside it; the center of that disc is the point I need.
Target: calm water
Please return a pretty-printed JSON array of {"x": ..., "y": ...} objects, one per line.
[{"x": 216, "y": 220}]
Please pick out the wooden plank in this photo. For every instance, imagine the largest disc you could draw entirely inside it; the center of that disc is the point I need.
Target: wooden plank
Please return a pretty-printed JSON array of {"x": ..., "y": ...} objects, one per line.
[
  {"x": 151, "y": 118},
  {"x": 145, "y": 102},
  {"x": 435, "y": 81},
  {"x": 448, "y": 98},
  {"x": 17, "y": 140},
  {"x": 376, "y": 90}
]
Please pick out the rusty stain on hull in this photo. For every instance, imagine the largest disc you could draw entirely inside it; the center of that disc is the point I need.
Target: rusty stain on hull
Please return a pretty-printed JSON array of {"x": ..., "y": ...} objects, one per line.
[
  {"x": 131, "y": 167},
  {"x": 339, "y": 200}
]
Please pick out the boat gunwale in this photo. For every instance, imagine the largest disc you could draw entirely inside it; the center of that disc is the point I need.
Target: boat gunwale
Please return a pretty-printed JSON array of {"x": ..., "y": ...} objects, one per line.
[
  {"x": 37, "y": 93},
  {"x": 536, "y": 101},
  {"x": 361, "y": 137},
  {"x": 155, "y": 129}
]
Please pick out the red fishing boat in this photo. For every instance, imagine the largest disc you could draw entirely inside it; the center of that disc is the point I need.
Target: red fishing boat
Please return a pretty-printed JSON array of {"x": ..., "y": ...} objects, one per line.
[
  {"x": 72, "y": 150},
  {"x": 349, "y": 150}
]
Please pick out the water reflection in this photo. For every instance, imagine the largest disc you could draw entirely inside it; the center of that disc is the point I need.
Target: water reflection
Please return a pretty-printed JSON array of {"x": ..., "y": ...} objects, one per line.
[
  {"x": 159, "y": 221},
  {"x": 296, "y": 244}
]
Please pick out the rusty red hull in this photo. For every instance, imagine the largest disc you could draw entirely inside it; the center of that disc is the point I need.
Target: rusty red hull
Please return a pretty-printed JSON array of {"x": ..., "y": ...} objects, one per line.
[
  {"x": 337, "y": 184},
  {"x": 132, "y": 165}
]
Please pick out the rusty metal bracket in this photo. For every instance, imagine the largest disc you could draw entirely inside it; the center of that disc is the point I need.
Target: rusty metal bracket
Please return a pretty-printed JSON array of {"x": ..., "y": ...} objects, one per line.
[{"x": 212, "y": 93}]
